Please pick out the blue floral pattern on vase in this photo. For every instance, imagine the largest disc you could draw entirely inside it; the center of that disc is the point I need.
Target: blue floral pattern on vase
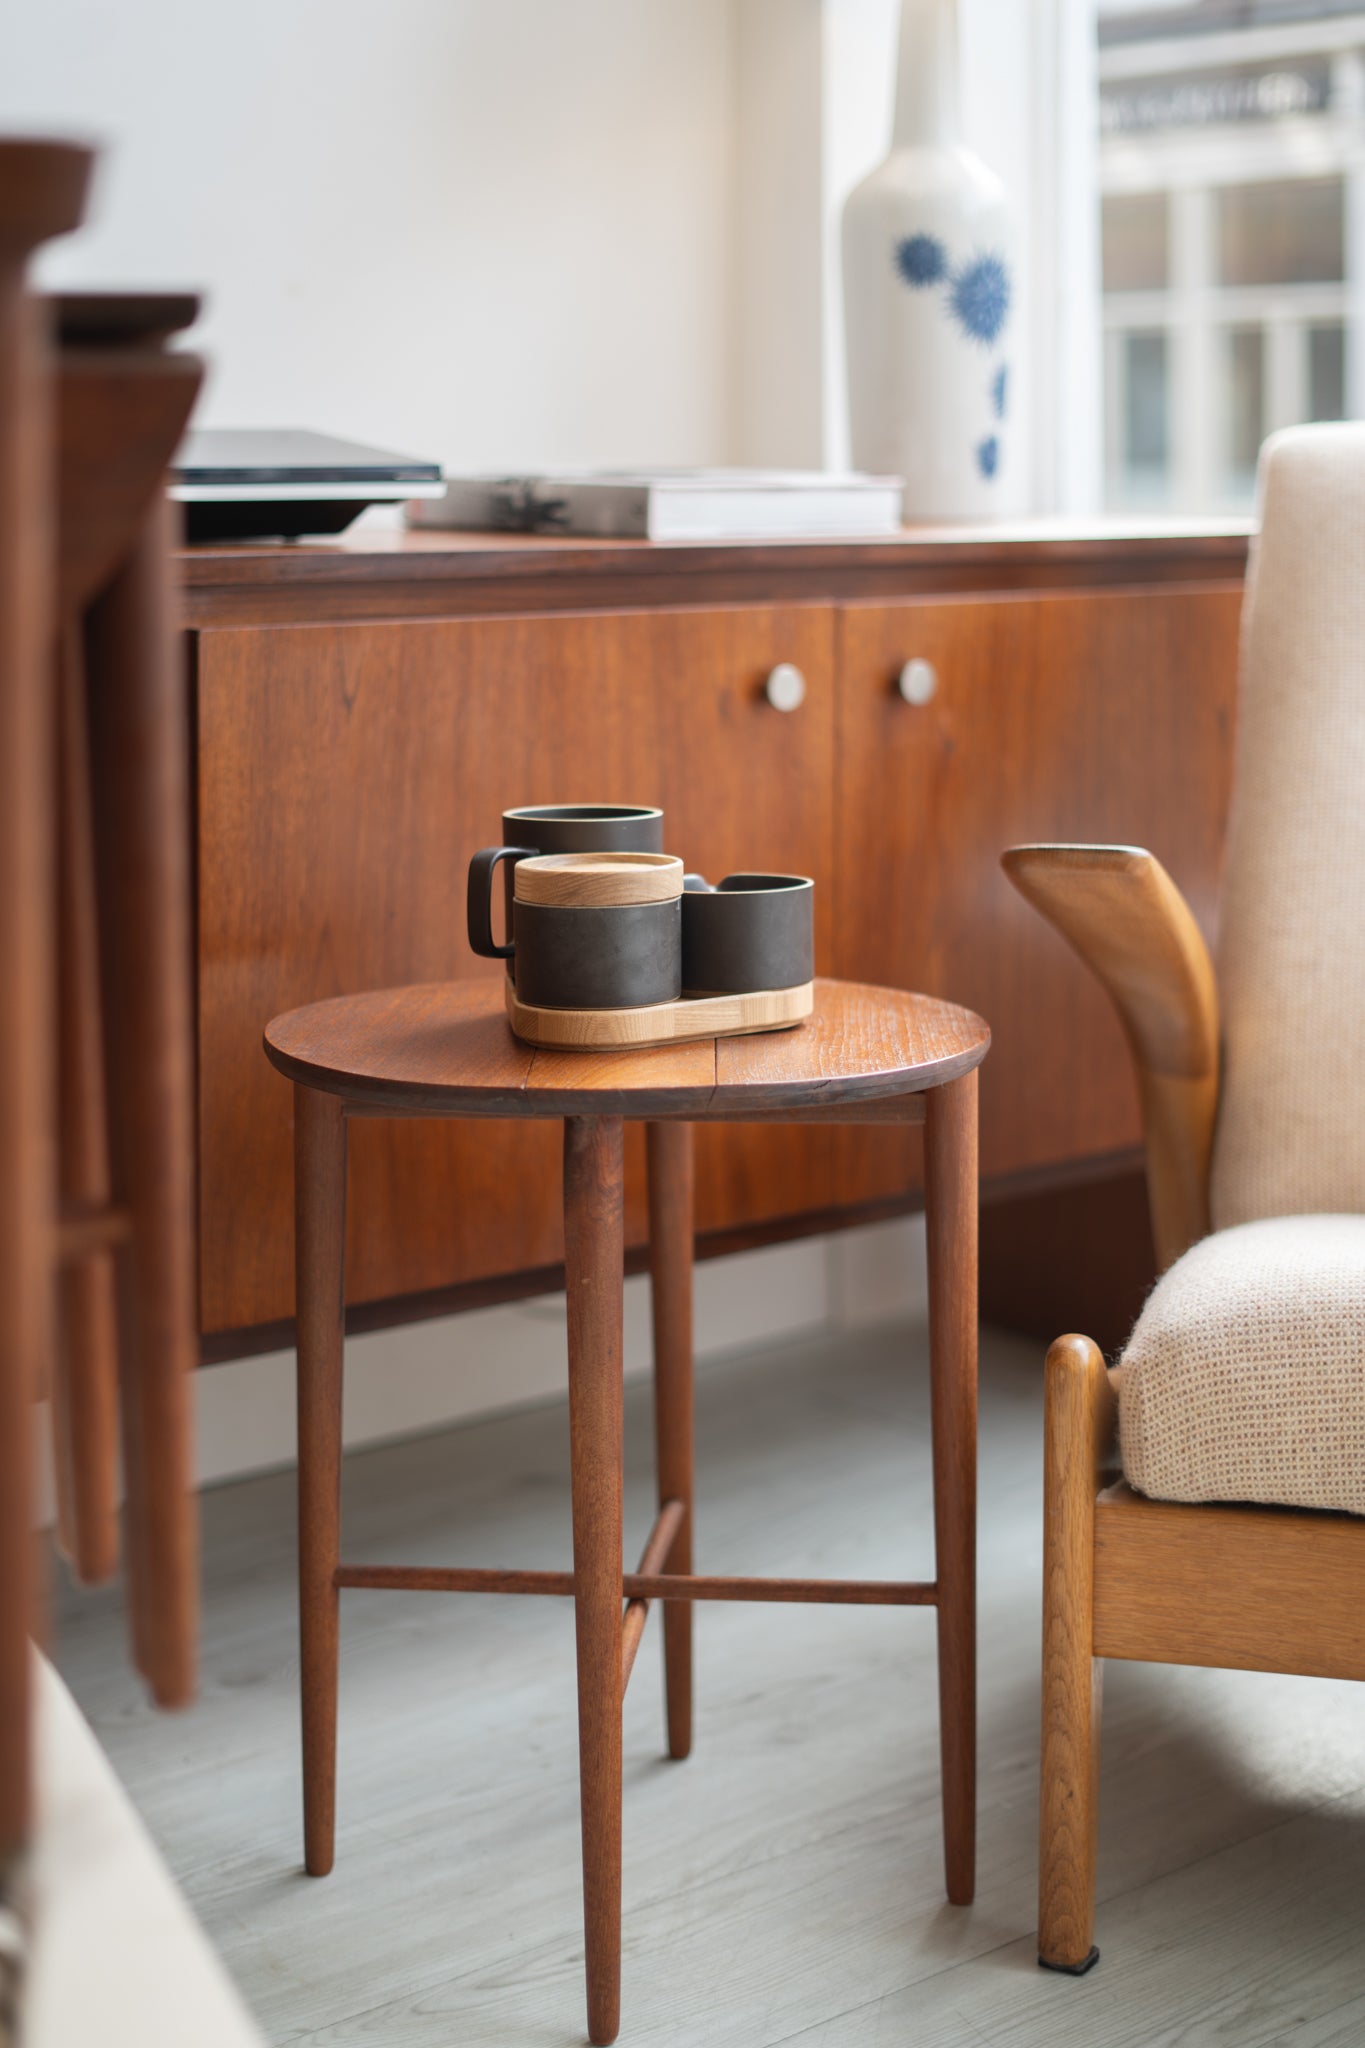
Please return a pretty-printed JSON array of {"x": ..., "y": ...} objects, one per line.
[
  {"x": 980, "y": 298},
  {"x": 921, "y": 260}
]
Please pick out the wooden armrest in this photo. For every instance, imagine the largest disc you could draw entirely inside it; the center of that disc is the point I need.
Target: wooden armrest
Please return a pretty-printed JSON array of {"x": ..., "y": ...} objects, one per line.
[{"x": 1120, "y": 910}]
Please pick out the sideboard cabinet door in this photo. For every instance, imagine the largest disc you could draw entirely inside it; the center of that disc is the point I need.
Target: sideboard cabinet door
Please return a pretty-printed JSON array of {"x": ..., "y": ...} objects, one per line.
[
  {"x": 1102, "y": 717},
  {"x": 345, "y": 774}
]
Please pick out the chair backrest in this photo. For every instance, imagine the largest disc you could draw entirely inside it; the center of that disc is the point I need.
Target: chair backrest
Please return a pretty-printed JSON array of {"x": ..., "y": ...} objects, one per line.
[{"x": 1291, "y": 962}]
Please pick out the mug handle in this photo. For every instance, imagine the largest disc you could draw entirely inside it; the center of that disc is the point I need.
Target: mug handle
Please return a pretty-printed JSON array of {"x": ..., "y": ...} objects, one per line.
[
  {"x": 479, "y": 902},
  {"x": 697, "y": 885}
]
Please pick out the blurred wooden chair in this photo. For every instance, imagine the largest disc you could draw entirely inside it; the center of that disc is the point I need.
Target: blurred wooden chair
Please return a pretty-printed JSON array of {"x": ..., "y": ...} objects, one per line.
[
  {"x": 96, "y": 1049},
  {"x": 1203, "y": 1500},
  {"x": 42, "y": 194},
  {"x": 128, "y": 1301}
]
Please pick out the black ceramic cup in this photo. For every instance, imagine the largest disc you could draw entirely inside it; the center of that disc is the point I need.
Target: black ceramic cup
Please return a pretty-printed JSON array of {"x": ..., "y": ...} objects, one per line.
[
  {"x": 590, "y": 931},
  {"x": 615, "y": 958},
  {"x": 586, "y": 828},
  {"x": 554, "y": 828},
  {"x": 749, "y": 932}
]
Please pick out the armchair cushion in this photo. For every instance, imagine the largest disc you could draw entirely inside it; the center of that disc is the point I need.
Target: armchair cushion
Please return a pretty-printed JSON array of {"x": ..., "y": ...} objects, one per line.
[
  {"x": 1244, "y": 1378},
  {"x": 1291, "y": 962}
]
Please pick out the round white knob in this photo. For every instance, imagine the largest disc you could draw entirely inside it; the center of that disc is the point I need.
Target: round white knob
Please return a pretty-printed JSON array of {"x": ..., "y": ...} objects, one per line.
[
  {"x": 917, "y": 681},
  {"x": 785, "y": 688}
]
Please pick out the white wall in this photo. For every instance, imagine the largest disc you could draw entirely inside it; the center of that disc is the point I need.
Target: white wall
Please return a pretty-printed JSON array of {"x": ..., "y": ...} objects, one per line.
[
  {"x": 429, "y": 1375},
  {"x": 485, "y": 231},
  {"x": 779, "y": 257},
  {"x": 521, "y": 232}
]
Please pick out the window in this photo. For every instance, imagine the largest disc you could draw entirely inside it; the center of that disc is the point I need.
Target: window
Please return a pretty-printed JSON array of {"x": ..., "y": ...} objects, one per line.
[
  {"x": 1232, "y": 163},
  {"x": 1243, "y": 385},
  {"x": 1135, "y": 241},
  {"x": 1139, "y": 421},
  {"x": 1327, "y": 372},
  {"x": 1286, "y": 231}
]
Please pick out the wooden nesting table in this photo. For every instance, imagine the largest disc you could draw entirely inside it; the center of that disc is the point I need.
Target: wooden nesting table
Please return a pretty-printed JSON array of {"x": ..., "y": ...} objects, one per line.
[{"x": 866, "y": 1055}]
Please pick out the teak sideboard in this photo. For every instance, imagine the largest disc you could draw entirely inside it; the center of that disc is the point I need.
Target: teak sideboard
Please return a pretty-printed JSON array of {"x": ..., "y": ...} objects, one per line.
[{"x": 364, "y": 710}]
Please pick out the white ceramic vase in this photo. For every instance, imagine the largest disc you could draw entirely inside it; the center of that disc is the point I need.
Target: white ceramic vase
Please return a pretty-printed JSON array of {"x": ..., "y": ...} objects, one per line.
[{"x": 930, "y": 296}]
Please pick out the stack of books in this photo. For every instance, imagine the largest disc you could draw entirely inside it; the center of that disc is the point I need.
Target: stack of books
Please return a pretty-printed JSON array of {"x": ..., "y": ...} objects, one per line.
[{"x": 673, "y": 505}]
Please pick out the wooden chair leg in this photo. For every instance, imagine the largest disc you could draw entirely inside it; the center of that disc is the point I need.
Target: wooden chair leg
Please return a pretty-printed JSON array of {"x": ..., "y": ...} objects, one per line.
[
  {"x": 1077, "y": 1426},
  {"x": 42, "y": 190},
  {"x": 669, "y": 1149},
  {"x": 27, "y": 1018},
  {"x": 320, "y": 1268},
  {"x": 85, "y": 1379},
  {"x": 594, "y": 1252},
  {"x": 141, "y": 806},
  {"x": 950, "y": 1158}
]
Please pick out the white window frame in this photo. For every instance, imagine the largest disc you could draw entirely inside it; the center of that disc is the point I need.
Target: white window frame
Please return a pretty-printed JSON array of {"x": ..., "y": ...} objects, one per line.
[{"x": 1195, "y": 310}]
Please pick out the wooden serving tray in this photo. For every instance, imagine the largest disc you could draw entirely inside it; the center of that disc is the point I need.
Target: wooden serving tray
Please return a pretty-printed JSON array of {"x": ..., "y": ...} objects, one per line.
[{"x": 774, "y": 1009}]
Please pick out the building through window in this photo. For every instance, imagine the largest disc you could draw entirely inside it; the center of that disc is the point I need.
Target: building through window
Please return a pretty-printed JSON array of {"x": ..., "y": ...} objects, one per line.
[{"x": 1232, "y": 165}]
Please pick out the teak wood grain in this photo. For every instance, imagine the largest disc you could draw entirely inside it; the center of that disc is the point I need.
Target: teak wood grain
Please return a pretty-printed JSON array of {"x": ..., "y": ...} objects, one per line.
[
  {"x": 594, "y": 1241},
  {"x": 128, "y": 1325},
  {"x": 447, "y": 1051},
  {"x": 1080, "y": 1253},
  {"x": 371, "y": 575},
  {"x": 320, "y": 1241},
  {"x": 366, "y": 760},
  {"x": 1248, "y": 1588},
  {"x": 42, "y": 194},
  {"x": 643, "y": 1585},
  {"x": 120, "y": 410},
  {"x": 139, "y": 735},
  {"x": 671, "y": 1516},
  {"x": 1252, "y": 1589},
  {"x": 1094, "y": 717},
  {"x": 950, "y": 1158},
  {"x": 345, "y": 777},
  {"x": 671, "y": 1161},
  {"x": 85, "y": 1366},
  {"x": 1078, "y": 1427}
]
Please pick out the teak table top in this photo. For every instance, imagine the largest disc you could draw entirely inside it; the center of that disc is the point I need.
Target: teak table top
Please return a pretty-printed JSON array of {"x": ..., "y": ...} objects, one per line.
[{"x": 446, "y": 1049}]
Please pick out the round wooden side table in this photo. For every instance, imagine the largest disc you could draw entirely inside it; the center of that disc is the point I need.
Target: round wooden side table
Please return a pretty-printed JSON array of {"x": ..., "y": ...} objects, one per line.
[{"x": 867, "y": 1055}]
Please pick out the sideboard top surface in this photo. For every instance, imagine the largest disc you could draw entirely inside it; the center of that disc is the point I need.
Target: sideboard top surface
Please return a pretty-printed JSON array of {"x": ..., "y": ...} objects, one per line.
[{"x": 384, "y": 573}]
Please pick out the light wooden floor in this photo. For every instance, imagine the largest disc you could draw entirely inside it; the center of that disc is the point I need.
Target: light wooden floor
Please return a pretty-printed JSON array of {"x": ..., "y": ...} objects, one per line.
[{"x": 784, "y": 1884}]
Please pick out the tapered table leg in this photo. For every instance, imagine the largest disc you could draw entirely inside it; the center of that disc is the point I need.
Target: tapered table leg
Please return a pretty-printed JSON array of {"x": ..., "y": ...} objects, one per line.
[
  {"x": 320, "y": 1267},
  {"x": 594, "y": 1249},
  {"x": 951, "y": 1204},
  {"x": 669, "y": 1150}
]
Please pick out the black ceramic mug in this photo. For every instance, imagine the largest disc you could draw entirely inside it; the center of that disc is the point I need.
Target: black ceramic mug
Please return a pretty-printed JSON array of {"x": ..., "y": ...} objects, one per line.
[
  {"x": 556, "y": 828},
  {"x": 750, "y": 932},
  {"x": 590, "y": 931}
]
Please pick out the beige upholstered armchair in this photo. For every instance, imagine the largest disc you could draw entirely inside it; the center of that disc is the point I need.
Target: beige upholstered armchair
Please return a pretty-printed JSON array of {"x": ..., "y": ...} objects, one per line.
[{"x": 1237, "y": 1411}]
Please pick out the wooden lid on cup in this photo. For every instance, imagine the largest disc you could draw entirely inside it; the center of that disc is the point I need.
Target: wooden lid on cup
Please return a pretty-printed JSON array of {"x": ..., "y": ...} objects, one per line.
[{"x": 582, "y": 880}]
